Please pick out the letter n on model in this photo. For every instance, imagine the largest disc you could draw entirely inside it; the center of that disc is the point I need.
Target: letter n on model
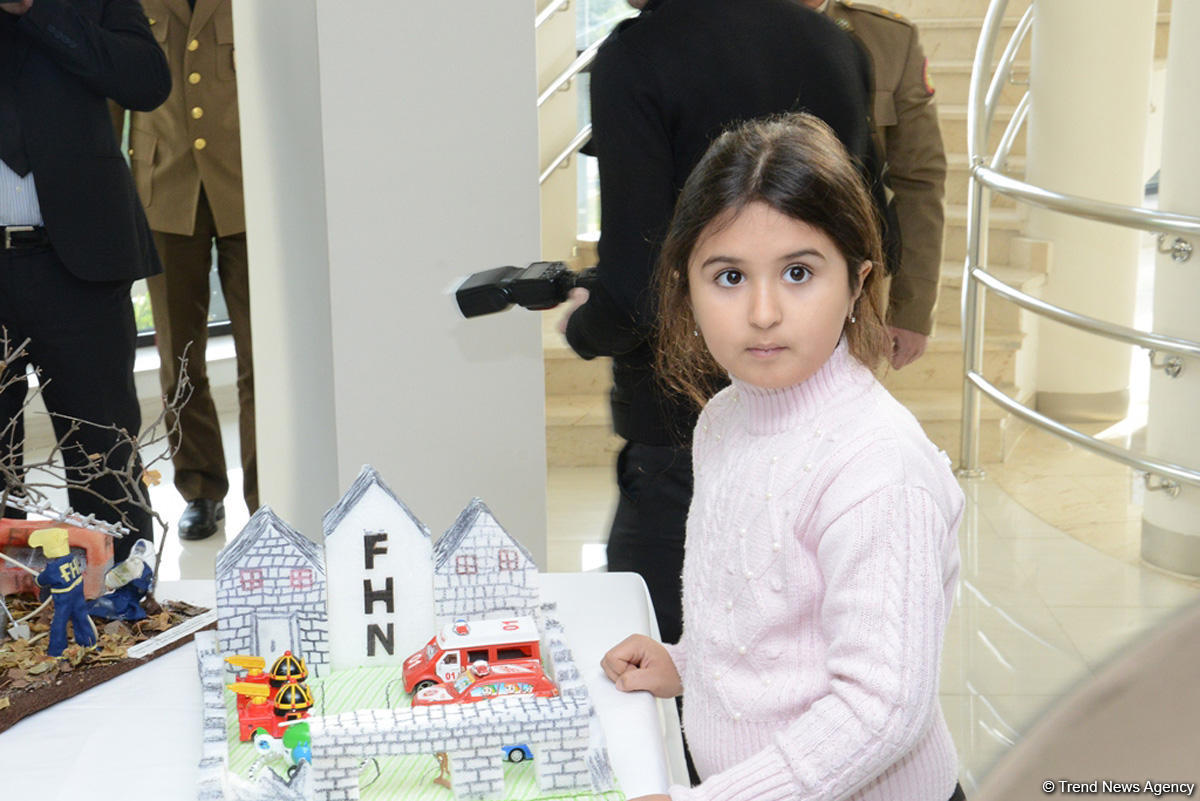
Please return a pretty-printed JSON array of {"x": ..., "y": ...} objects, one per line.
[{"x": 388, "y": 641}]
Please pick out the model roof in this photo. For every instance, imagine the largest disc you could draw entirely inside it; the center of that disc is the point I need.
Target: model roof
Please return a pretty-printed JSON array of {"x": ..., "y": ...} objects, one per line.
[
  {"x": 449, "y": 542},
  {"x": 260, "y": 522},
  {"x": 367, "y": 477}
]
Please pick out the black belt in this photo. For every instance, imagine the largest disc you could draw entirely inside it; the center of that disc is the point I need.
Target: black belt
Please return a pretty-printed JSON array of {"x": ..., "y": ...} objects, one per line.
[{"x": 23, "y": 237}]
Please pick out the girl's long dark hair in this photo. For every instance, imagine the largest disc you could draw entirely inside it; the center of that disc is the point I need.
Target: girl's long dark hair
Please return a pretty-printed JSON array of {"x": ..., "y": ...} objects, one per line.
[{"x": 796, "y": 165}]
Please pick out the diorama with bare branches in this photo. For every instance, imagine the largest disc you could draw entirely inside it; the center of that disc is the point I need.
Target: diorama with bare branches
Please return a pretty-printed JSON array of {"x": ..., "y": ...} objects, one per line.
[{"x": 115, "y": 479}]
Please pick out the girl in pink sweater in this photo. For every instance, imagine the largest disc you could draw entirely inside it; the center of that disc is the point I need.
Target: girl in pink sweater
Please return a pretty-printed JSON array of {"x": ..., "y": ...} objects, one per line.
[{"x": 821, "y": 555}]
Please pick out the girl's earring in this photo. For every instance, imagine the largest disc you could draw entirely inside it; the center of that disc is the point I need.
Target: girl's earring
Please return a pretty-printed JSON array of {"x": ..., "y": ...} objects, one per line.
[
  {"x": 695, "y": 331},
  {"x": 853, "y": 319}
]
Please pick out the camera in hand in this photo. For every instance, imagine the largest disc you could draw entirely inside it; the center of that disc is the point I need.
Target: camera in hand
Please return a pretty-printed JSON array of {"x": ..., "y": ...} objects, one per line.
[{"x": 541, "y": 285}]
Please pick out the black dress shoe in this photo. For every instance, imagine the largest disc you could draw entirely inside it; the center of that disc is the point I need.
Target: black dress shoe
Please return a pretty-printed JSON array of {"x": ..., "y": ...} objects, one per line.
[{"x": 201, "y": 519}]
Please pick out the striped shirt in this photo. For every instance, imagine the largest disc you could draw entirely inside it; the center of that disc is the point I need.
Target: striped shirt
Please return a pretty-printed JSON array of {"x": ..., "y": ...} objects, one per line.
[{"x": 18, "y": 198}]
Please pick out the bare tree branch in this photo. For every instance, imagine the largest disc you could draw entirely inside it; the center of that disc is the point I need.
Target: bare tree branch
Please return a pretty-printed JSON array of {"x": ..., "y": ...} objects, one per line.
[{"x": 28, "y": 484}]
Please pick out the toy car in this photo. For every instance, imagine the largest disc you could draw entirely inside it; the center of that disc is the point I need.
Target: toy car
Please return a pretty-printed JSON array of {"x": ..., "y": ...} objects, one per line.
[
  {"x": 464, "y": 642},
  {"x": 483, "y": 682},
  {"x": 517, "y": 753}
]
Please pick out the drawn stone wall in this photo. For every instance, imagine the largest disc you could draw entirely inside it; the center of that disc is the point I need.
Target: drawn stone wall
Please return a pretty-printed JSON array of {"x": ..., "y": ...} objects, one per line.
[
  {"x": 270, "y": 582},
  {"x": 480, "y": 571}
]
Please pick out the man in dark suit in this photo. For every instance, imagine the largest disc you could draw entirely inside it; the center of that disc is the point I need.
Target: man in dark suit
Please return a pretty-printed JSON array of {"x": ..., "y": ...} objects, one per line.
[
  {"x": 73, "y": 236},
  {"x": 664, "y": 85}
]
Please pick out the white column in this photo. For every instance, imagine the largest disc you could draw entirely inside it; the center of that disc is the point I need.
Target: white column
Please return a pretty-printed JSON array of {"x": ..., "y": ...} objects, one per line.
[
  {"x": 1090, "y": 91},
  {"x": 1171, "y": 526},
  {"x": 391, "y": 147},
  {"x": 284, "y": 180}
]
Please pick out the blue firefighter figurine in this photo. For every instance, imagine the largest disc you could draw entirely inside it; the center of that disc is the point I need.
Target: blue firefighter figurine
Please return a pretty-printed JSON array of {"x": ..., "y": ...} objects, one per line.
[
  {"x": 127, "y": 583},
  {"x": 63, "y": 575}
]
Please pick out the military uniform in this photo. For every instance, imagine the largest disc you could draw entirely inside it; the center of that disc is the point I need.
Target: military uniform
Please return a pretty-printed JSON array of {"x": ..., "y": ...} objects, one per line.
[
  {"x": 907, "y": 132},
  {"x": 187, "y": 164}
]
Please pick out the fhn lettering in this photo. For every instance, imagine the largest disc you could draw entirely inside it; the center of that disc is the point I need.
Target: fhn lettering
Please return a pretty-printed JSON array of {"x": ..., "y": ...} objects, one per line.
[{"x": 375, "y": 544}]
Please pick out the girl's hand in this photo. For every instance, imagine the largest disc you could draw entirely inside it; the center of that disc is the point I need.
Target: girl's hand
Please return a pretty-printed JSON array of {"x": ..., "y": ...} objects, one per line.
[{"x": 640, "y": 663}]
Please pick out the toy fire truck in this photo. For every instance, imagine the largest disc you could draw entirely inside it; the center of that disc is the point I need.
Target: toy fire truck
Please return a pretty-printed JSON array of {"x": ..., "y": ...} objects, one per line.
[
  {"x": 268, "y": 700},
  {"x": 461, "y": 643}
]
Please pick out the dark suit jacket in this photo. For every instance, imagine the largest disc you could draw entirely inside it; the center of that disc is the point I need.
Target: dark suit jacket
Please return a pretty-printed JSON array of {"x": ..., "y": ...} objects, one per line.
[
  {"x": 664, "y": 85},
  {"x": 68, "y": 57}
]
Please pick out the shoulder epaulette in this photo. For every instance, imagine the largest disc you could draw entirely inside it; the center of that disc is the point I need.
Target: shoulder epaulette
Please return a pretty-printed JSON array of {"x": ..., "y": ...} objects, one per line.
[{"x": 875, "y": 11}]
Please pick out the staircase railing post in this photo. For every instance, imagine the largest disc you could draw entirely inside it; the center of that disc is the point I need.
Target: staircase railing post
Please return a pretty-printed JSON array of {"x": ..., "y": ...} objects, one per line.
[{"x": 972, "y": 322}]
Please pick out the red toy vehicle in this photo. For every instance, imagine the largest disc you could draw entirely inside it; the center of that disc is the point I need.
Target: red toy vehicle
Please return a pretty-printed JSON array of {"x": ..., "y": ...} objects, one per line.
[
  {"x": 463, "y": 643},
  {"x": 483, "y": 682},
  {"x": 269, "y": 700}
]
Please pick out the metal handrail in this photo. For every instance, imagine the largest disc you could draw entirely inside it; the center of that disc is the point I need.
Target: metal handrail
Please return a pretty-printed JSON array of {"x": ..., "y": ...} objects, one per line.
[
  {"x": 1143, "y": 219},
  {"x": 1148, "y": 465},
  {"x": 548, "y": 12},
  {"x": 1004, "y": 147},
  {"x": 976, "y": 103},
  {"x": 584, "y": 134},
  {"x": 1131, "y": 336},
  {"x": 581, "y": 62},
  {"x": 1004, "y": 68},
  {"x": 984, "y": 174}
]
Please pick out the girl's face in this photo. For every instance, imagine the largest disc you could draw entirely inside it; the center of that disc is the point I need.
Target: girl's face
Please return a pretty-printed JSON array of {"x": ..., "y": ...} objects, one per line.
[{"x": 770, "y": 295}]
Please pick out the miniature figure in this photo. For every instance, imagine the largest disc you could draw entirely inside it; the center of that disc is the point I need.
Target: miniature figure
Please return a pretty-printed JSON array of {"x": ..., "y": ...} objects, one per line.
[
  {"x": 443, "y": 777},
  {"x": 294, "y": 748},
  {"x": 63, "y": 575},
  {"x": 91, "y": 539},
  {"x": 127, "y": 583}
]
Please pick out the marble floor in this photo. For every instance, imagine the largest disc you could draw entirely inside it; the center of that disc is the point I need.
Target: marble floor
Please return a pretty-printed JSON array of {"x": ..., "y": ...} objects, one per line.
[{"x": 1051, "y": 584}]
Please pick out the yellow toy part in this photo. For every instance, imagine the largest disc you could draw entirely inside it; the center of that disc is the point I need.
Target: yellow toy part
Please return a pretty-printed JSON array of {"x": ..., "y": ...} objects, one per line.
[
  {"x": 52, "y": 541},
  {"x": 257, "y": 693},
  {"x": 253, "y": 665}
]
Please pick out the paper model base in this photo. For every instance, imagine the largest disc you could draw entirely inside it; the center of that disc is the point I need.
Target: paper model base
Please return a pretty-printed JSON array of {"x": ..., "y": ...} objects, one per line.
[{"x": 408, "y": 777}]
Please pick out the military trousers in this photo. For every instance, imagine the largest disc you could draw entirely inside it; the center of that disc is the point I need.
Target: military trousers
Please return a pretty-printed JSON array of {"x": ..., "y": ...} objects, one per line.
[{"x": 180, "y": 302}]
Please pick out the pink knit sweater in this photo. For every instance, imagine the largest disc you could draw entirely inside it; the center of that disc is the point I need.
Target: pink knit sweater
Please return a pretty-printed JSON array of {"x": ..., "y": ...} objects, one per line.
[{"x": 819, "y": 574}]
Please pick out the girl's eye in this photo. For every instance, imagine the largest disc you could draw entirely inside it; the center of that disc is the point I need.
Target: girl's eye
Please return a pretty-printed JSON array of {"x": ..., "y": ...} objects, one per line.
[
  {"x": 797, "y": 274},
  {"x": 729, "y": 278}
]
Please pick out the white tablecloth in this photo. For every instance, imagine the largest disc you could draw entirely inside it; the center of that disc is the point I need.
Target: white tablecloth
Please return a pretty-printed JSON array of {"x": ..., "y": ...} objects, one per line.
[{"x": 138, "y": 736}]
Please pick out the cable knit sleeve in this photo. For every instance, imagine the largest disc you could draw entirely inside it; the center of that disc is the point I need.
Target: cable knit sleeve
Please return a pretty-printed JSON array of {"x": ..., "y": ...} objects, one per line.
[
  {"x": 883, "y": 616},
  {"x": 678, "y": 654}
]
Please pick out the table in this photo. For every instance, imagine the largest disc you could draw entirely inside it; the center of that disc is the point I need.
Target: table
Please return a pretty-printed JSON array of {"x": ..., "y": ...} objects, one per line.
[{"x": 140, "y": 732}]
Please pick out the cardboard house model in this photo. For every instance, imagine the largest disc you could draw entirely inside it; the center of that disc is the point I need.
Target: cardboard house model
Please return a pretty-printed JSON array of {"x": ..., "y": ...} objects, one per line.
[
  {"x": 380, "y": 561},
  {"x": 479, "y": 570},
  {"x": 271, "y": 593},
  {"x": 374, "y": 593}
]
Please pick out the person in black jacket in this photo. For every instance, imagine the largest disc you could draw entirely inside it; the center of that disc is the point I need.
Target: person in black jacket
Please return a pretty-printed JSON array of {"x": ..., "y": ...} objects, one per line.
[
  {"x": 664, "y": 85},
  {"x": 73, "y": 236}
]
